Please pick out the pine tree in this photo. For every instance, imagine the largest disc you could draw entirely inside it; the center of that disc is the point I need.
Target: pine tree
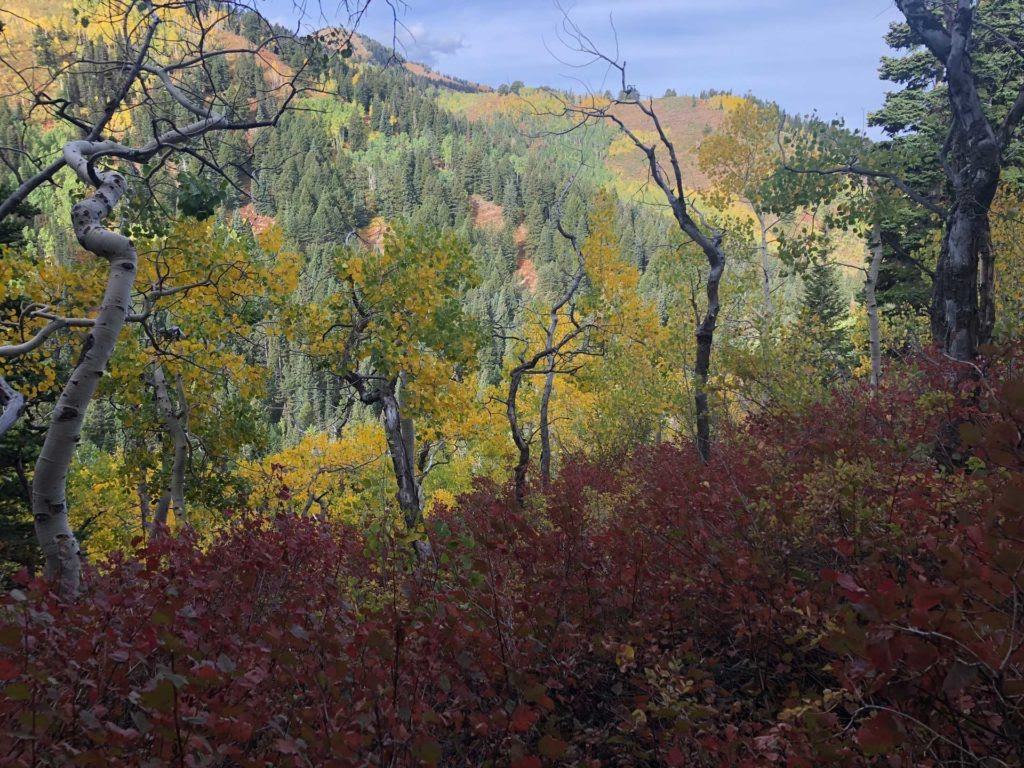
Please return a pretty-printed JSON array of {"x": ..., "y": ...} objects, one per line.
[
  {"x": 510, "y": 203},
  {"x": 355, "y": 130},
  {"x": 823, "y": 323}
]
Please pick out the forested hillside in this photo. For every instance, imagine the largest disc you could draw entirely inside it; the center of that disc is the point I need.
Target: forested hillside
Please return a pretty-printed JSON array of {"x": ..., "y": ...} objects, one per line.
[{"x": 352, "y": 413}]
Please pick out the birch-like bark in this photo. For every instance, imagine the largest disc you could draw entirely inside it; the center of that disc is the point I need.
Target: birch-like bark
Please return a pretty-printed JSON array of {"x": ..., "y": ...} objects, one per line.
[
  {"x": 401, "y": 441},
  {"x": 13, "y": 403},
  {"x": 49, "y": 486},
  {"x": 175, "y": 421},
  {"x": 707, "y": 238},
  {"x": 766, "y": 268},
  {"x": 871, "y": 299},
  {"x": 56, "y": 539},
  {"x": 555, "y": 349},
  {"x": 163, "y": 508}
]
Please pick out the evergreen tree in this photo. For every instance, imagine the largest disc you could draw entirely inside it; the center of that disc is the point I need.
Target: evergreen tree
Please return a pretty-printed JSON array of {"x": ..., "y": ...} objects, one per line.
[{"x": 823, "y": 322}]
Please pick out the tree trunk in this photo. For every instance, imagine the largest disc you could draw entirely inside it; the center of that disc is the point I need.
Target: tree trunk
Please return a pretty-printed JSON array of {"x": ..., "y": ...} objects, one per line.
[
  {"x": 49, "y": 486},
  {"x": 957, "y": 323},
  {"x": 705, "y": 341},
  {"x": 711, "y": 245},
  {"x": 144, "y": 508},
  {"x": 175, "y": 422},
  {"x": 766, "y": 273},
  {"x": 403, "y": 457},
  {"x": 13, "y": 402},
  {"x": 522, "y": 444},
  {"x": 401, "y": 439},
  {"x": 160, "y": 518},
  {"x": 545, "y": 423},
  {"x": 871, "y": 299},
  {"x": 987, "y": 285}
]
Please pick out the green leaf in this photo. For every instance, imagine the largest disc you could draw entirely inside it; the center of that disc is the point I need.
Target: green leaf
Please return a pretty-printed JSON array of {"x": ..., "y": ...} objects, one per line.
[
  {"x": 17, "y": 692},
  {"x": 160, "y": 698},
  {"x": 428, "y": 751}
]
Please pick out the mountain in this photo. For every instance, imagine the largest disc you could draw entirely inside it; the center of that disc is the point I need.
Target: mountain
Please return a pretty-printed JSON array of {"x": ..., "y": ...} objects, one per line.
[
  {"x": 686, "y": 119},
  {"x": 365, "y": 49},
  {"x": 378, "y": 142}
]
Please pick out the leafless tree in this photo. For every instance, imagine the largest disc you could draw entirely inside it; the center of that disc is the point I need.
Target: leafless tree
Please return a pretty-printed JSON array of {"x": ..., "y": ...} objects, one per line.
[
  {"x": 158, "y": 70},
  {"x": 567, "y": 338},
  {"x": 665, "y": 170}
]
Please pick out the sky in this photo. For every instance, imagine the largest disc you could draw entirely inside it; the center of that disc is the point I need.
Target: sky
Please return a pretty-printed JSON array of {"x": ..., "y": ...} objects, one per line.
[{"x": 806, "y": 55}]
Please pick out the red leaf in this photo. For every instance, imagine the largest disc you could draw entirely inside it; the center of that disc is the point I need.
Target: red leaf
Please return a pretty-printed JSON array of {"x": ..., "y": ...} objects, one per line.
[
  {"x": 240, "y": 730},
  {"x": 848, "y": 583},
  {"x": 927, "y": 599},
  {"x": 528, "y": 762},
  {"x": 8, "y": 670},
  {"x": 879, "y": 734},
  {"x": 523, "y": 719}
]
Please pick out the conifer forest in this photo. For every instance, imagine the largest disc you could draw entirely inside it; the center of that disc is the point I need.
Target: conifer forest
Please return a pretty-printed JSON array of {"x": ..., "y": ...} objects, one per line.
[{"x": 355, "y": 411}]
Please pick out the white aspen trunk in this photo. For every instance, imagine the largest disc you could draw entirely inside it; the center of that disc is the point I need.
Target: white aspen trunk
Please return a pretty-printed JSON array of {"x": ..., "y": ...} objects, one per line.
[
  {"x": 174, "y": 423},
  {"x": 408, "y": 432},
  {"x": 160, "y": 518},
  {"x": 49, "y": 486},
  {"x": 766, "y": 267},
  {"x": 401, "y": 439},
  {"x": 871, "y": 299},
  {"x": 402, "y": 445},
  {"x": 13, "y": 402}
]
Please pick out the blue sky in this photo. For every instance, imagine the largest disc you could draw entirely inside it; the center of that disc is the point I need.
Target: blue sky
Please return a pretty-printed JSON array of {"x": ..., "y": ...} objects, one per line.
[{"x": 805, "y": 54}]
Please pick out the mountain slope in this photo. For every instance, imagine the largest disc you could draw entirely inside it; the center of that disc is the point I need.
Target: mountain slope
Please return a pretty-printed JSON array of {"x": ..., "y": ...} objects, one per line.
[{"x": 687, "y": 121}]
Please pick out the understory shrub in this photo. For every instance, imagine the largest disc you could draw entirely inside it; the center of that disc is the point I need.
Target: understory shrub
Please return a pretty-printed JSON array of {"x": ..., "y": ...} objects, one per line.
[{"x": 838, "y": 587}]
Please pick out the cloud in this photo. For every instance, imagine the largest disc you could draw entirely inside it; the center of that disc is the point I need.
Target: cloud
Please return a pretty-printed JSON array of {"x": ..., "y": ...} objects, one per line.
[
  {"x": 419, "y": 43},
  {"x": 805, "y": 54}
]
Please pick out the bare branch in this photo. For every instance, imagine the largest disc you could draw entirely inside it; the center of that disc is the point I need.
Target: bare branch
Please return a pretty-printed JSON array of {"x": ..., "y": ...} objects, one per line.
[{"x": 13, "y": 404}]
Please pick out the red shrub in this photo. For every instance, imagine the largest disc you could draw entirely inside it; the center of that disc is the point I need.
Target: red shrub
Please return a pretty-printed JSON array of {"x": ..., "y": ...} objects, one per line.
[{"x": 837, "y": 588}]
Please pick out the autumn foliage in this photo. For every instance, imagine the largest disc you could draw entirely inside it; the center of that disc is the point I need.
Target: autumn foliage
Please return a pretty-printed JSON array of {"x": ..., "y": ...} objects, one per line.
[{"x": 843, "y": 587}]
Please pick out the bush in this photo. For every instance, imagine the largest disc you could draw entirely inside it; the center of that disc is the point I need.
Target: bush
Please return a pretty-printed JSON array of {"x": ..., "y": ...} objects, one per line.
[{"x": 840, "y": 587}]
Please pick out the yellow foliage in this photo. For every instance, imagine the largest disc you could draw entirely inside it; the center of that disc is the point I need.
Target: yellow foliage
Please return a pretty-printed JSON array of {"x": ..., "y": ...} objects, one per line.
[
  {"x": 104, "y": 504},
  {"x": 727, "y": 102},
  {"x": 743, "y": 154},
  {"x": 1008, "y": 246},
  {"x": 623, "y": 146},
  {"x": 320, "y": 474}
]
